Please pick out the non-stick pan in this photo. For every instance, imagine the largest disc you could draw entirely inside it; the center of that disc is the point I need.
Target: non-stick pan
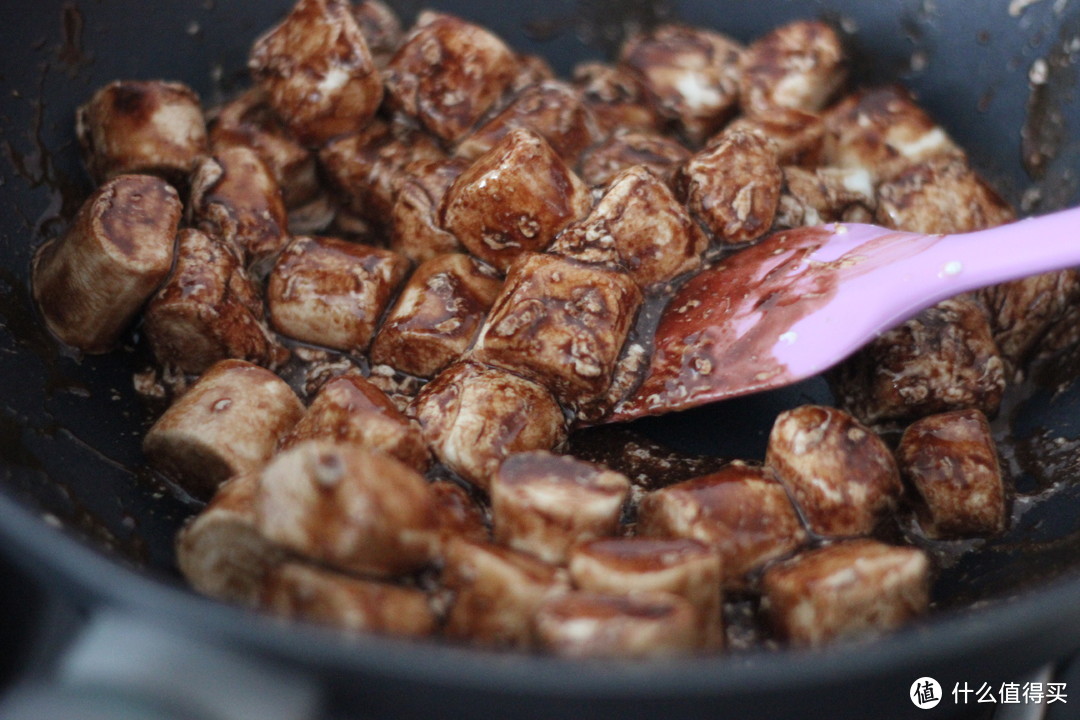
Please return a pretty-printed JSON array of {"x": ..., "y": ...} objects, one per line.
[{"x": 95, "y": 615}]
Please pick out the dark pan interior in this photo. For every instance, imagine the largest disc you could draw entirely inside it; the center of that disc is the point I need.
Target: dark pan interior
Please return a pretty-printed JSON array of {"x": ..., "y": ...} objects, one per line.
[{"x": 70, "y": 427}]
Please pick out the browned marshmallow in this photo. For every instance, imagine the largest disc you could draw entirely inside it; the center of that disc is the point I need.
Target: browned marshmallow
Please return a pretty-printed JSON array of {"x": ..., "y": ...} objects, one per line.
[
  {"x": 733, "y": 187},
  {"x": 475, "y": 416},
  {"x": 798, "y": 66},
  {"x": 348, "y": 506},
  {"x": 625, "y": 149},
  {"x": 544, "y": 504},
  {"x": 883, "y": 131},
  {"x": 235, "y": 198},
  {"x": 306, "y": 592},
  {"x": 515, "y": 198},
  {"x": 941, "y": 195},
  {"x": 854, "y": 588},
  {"x": 208, "y": 310},
  {"x": 553, "y": 109},
  {"x": 132, "y": 126},
  {"x": 691, "y": 76},
  {"x": 1023, "y": 311},
  {"x": 91, "y": 282},
  {"x": 381, "y": 28},
  {"x": 795, "y": 137},
  {"x": 839, "y": 472},
  {"x": 448, "y": 73},
  {"x": 414, "y": 219},
  {"x": 813, "y": 197},
  {"x": 740, "y": 511},
  {"x": 227, "y": 423},
  {"x": 952, "y": 462},
  {"x": 532, "y": 70},
  {"x": 459, "y": 515},
  {"x": 221, "y": 552},
  {"x": 332, "y": 292},
  {"x": 368, "y": 166},
  {"x": 639, "y": 625},
  {"x": 249, "y": 121},
  {"x": 942, "y": 359},
  {"x": 561, "y": 323},
  {"x": 683, "y": 567},
  {"x": 437, "y": 315},
  {"x": 615, "y": 98},
  {"x": 496, "y": 592},
  {"x": 316, "y": 68},
  {"x": 637, "y": 226},
  {"x": 350, "y": 409}
]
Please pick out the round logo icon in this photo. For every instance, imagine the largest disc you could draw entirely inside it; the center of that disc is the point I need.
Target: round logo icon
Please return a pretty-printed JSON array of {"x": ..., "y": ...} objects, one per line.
[{"x": 925, "y": 693}]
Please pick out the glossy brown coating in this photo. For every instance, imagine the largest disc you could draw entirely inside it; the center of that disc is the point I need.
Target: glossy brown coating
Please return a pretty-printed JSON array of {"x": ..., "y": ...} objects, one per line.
[
  {"x": 561, "y": 323},
  {"x": 249, "y": 121},
  {"x": 638, "y": 226},
  {"x": 733, "y": 187},
  {"x": 496, "y": 592},
  {"x": 348, "y": 506},
  {"x": 625, "y": 149},
  {"x": 883, "y": 131},
  {"x": 680, "y": 566},
  {"x": 544, "y": 504},
  {"x": 349, "y": 409},
  {"x": 332, "y": 292},
  {"x": 1023, "y": 311},
  {"x": 941, "y": 195},
  {"x": 381, "y": 28},
  {"x": 942, "y": 359},
  {"x": 800, "y": 65},
  {"x": 795, "y": 137},
  {"x": 208, "y": 310},
  {"x": 437, "y": 315},
  {"x": 448, "y": 73},
  {"x": 367, "y": 167},
  {"x": 740, "y": 511},
  {"x": 400, "y": 388},
  {"x": 475, "y": 416},
  {"x": 855, "y": 588},
  {"x": 299, "y": 591},
  {"x": 616, "y": 99},
  {"x": 640, "y": 625},
  {"x": 91, "y": 282},
  {"x": 532, "y": 70},
  {"x": 131, "y": 126},
  {"x": 824, "y": 195},
  {"x": 459, "y": 515},
  {"x": 514, "y": 199},
  {"x": 553, "y": 109},
  {"x": 951, "y": 461},
  {"x": 221, "y": 552},
  {"x": 317, "y": 71},
  {"x": 690, "y": 75},
  {"x": 226, "y": 424},
  {"x": 235, "y": 199},
  {"x": 414, "y": 219},
  {"x": 839, "y": 473}
]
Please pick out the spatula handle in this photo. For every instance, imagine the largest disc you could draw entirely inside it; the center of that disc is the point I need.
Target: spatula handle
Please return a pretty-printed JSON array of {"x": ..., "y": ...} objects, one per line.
[{"x": 962, "y": 262}]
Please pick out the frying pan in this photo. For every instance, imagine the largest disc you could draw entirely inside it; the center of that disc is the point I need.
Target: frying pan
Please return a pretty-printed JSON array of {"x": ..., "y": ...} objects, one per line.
[{"x": 86, "y": 532}]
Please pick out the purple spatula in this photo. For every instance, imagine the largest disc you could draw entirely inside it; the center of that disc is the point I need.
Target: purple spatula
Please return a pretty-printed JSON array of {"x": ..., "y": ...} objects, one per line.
[{"x": 802, "y": 300}]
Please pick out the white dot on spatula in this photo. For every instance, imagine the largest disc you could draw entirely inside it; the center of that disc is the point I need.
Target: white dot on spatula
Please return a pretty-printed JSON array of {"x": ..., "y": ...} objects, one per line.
[{"x": 953, "y": 267}]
